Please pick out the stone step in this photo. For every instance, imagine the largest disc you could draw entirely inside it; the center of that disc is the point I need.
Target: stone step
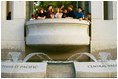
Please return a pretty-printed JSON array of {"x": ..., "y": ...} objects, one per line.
[{"x": 60, "y": 70}]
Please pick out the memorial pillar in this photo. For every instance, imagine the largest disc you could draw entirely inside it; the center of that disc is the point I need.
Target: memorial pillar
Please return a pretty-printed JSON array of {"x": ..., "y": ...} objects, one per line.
[
  {"x": 3, "y": 10},
  {"x": 18, "y": 10}
]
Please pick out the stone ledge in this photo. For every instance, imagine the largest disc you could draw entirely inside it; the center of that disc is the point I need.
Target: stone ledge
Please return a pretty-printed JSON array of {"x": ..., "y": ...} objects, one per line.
[{"x": 62, "y": 20}]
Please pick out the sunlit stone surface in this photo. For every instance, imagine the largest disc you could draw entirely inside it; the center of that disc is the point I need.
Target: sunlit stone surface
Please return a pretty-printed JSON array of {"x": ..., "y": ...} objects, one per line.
[{"x": 57, "y": 32}]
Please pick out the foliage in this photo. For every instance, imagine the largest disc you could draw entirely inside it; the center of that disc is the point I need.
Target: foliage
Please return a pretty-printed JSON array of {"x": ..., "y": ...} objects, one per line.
[
  {"x": 44, "y": 4},
  {"x": 55, "y": 4}
]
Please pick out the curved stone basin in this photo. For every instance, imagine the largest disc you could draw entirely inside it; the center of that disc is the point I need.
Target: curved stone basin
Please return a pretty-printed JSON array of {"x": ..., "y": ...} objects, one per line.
[{"x": 57, "y": 32}]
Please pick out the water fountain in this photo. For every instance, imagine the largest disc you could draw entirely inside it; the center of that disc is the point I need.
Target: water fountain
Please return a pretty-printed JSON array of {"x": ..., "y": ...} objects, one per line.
[
  {"x": 39, "y": 55},
  {"x": 99, "y": 68},
  {"x": 66, "y": 69},
  {"x": 16, "y": 68},
  {"x": 13, "y": 56},
  {"x": 76, "y": 58},
  {"x": 104, "y": 56}
]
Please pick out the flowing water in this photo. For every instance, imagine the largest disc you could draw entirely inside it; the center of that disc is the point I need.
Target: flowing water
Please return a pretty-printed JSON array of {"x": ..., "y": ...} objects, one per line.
[
  {"x": 78, "y": 55},
  {"x": 13, "y": 56},
  {"x": 42, "y": 56},
  {"x": 59, "y": 69}
]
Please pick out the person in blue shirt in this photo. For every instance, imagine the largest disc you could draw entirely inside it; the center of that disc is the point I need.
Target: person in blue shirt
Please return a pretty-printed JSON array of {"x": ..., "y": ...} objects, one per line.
[{"x": 79, "y": 14}]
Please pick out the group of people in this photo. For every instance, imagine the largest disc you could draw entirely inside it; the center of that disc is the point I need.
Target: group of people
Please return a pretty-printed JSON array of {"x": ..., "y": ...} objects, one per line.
[{"x": 60, "y": 13}]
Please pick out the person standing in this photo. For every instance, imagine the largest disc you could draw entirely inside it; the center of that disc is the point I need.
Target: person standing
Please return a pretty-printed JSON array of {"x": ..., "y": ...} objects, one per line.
[
  {"x": 58, "y": 13},
  {"x": 9, "y": 16},
  {"x": 64, "y": 11},
  {"x": 79, "y": 14},
  {"x": 70, "y": 12},
  {"x": 41, "y": 14},
  {"x": 88, "y": 17},
  {"x": 49, "y": 11}
]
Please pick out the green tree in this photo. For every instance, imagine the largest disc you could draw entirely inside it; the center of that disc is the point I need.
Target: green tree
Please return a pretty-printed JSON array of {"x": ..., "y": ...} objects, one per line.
[
  {"x": 55, "y": 4},
  {"x": 44, "y": 4}
]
